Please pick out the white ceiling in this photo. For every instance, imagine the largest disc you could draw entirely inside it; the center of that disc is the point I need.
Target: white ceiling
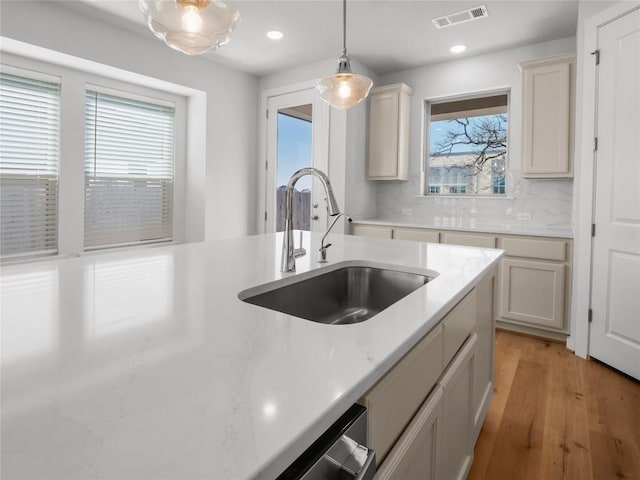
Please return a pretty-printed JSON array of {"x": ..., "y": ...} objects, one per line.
[{"x": 384, "y": 35}]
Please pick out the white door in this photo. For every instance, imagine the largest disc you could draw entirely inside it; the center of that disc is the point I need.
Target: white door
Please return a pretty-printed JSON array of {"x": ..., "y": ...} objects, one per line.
[
  {"x": 615, "y": 296},
  {"x": 297, "y": 137}
]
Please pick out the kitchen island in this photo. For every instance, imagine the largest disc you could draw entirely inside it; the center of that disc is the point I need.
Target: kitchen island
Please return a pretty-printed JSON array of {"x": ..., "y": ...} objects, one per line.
[{"x": 144, "y": 363}]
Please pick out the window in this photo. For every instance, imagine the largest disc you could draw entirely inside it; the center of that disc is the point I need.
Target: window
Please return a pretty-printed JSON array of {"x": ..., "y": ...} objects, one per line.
[
  {"x": 467, "y": 152},
  {"x": 129, "y": 163},
  {"x": 119, "y": 181},
  {"x": 29, "y": 153}
]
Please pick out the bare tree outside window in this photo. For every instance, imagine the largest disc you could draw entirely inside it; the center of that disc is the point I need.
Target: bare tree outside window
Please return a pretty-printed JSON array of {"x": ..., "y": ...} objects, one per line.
[{"x": 468, "y": 147}]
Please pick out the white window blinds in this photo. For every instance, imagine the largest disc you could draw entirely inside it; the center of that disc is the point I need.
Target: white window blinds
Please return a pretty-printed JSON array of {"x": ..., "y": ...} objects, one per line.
[
  {"x": 29, "y": 151},
  {"x": 129, "y": 164}
]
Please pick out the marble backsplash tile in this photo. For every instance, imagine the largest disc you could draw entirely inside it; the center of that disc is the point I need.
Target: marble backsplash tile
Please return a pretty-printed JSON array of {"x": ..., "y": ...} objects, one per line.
[{"x": 548, "y": 202}]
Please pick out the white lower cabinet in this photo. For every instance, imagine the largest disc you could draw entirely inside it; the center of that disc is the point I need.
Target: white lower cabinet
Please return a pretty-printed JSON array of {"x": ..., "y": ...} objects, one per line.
[
  {"x": 394, "y": 400},
  {"x": 457, "y": 416},
  {"x": 416, "y": 235},
  {"x": 533, "y": 289},
  {"x": 371, "y": 231},
  {"x": 533, "y": 292},
  {"x": 425, "y": 414},
  {"x": 438, "y": 443},
  {"x": 416, "y": 454}
]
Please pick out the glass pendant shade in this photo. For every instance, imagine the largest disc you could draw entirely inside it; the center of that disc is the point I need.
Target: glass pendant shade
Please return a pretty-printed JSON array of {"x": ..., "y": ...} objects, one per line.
[
  {"x": 344, "y": 89},
  {"x": 191, "y": 26}
]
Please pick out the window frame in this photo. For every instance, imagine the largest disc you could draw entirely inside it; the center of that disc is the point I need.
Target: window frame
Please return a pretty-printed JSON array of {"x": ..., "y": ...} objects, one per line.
[
  {"x": 425, "y": 150},
  {"x": 149, "y": 100},
  {"x": 74, "y": 83},
  {"x": 32, "y": 74}
]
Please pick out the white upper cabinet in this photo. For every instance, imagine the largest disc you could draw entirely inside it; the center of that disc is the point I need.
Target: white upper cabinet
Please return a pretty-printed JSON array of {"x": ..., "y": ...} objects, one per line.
[
  {"x": 389, "y": 117},
  {"x": 547, "y": 116}
]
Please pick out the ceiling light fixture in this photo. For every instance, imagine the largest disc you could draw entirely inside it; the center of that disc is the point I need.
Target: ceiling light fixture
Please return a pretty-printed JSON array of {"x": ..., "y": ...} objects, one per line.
[
  {"x": 191, "y": 26},
  {"x": 344, "y": 89},
  {"x": 458, "y": 48},
  {"x": 275, "y": 35}
]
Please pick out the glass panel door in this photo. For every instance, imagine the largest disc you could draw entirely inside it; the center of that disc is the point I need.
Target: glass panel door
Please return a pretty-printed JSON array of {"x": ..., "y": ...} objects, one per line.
[{"x": 294, "y": 151}]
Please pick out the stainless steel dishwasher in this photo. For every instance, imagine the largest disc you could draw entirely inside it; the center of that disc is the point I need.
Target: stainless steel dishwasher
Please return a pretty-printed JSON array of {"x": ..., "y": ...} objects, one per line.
[{"x": 339, "y": 454}]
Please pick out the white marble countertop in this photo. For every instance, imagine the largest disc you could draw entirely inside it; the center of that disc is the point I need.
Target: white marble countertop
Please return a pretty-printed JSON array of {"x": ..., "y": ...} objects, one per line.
[
  {"x": 465, "y": 225},
  {"x": 144, "y": 363}
]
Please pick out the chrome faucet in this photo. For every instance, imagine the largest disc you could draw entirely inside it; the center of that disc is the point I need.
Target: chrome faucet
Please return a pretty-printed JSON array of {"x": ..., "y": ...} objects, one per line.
[
  {"x": 289, "y": 252},
  {"x": 323, "y": 247}
]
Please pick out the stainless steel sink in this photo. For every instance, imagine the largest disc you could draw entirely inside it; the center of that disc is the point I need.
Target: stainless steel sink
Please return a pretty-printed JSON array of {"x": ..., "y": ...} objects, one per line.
[{"x": 350, "y": 294}]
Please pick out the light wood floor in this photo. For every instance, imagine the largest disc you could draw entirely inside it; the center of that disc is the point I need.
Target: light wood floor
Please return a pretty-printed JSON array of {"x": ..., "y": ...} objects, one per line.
[{"x": 557, "y": 416}]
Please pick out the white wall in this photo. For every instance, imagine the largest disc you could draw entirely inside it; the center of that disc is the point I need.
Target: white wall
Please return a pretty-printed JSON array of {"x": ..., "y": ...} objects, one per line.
[
  {"x": 223, "y": 190},
  {"x": 548, "y": 201},
  {"x": 348, "y": 138}
]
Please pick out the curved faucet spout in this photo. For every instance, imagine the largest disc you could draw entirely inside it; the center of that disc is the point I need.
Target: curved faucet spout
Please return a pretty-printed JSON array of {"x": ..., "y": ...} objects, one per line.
[{"x": 289, "y": 253}]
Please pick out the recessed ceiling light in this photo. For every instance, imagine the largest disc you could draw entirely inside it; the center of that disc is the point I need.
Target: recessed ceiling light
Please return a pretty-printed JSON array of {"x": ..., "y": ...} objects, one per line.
[
  {"x": 458, "y": 48},
  {"x": 275, "y": 35}
]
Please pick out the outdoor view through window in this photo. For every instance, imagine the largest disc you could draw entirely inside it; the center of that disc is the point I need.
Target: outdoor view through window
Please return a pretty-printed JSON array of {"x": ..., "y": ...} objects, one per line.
[
  {"x": 467, "y": 146},
  {"x": 294, "y": 153}
]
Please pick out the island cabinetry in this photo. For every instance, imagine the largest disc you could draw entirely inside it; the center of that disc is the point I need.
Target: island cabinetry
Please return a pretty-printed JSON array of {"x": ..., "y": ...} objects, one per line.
[
  {"x": 457, "y": 414},
  {"x": 389, "y": 124},
  {"x": 547, "y": 116},
  {"x": 417, "y": 453},
  {"x": 533, "y": 289},
  {"x": 424, "y": 414},
  {"x": 394, "y": 400}
]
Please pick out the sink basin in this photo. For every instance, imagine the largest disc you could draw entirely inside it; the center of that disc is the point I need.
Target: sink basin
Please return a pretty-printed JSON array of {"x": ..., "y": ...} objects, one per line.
[{"x": 345, "y": 295}]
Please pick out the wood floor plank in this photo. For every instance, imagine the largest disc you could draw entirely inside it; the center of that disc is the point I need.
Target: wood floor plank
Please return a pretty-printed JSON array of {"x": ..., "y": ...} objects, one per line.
[
  {"x": 557, "y": 416},
  {"x": 506, "y": 361},
  {"x": 566, "y": 446},
  {"x": 614, "y": 407},
  {"x": 518, "y": 447}
]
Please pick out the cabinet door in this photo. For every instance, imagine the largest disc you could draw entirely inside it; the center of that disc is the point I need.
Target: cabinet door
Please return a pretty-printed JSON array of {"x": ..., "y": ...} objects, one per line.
[
  {"x": 484, "y": 364},
  {"x": 383, "y": 135},
  {"x": 371, "y": 231},
  {"x": 394, "y": 400},
  {"x": 416, "y": 453},
  {"x": 547, "y": 124},
  {"x": 532, "y": 292},
  {"x": 457, "y": 416},
  {"x": 417, "y": 235}
]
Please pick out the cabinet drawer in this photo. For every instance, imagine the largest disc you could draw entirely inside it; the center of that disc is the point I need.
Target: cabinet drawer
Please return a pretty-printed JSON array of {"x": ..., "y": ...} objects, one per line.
[
  {"x": 371, "y": 231},
  {"x": 458, "y": 325},
  {"x": 533, "y": 292},
  {"x": 416, "y": 453},
  {"x": 393, "y": 401},
  {"x": 470, "y": 240},
  {"x": 544, "y": 249},
  {"x": 416, "y": 235}
]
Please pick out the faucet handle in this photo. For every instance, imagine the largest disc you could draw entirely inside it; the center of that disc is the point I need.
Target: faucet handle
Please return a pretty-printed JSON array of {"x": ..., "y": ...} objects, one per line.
[{"x": 323, "y": 253}]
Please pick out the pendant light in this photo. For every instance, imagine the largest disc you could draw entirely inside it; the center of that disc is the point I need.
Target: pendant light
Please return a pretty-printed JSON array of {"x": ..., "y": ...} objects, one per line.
[
  {"x": 344, "y": 89},
  {"x": 191, "y": 26}
]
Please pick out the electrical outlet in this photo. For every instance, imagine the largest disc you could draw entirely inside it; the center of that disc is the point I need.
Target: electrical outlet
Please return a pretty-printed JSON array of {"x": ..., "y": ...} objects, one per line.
[
  {"x": 407, "y": 211},
  {"x": 524, "y": 216}
]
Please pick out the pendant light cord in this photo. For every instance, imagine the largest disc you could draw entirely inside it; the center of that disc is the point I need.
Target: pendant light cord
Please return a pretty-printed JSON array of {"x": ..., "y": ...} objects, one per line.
[{"x": 344, "y": 25}]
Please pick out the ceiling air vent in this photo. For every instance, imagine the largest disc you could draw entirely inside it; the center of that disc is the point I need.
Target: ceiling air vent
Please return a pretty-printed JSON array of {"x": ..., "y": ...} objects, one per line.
[{"x": 461, "y": 17}]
